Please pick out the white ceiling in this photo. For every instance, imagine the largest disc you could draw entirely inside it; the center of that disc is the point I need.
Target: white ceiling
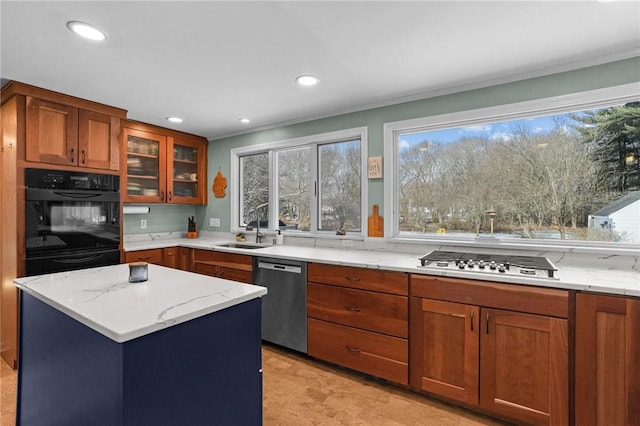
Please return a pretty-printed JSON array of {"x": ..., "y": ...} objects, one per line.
[{"x": 213, "y": 62}]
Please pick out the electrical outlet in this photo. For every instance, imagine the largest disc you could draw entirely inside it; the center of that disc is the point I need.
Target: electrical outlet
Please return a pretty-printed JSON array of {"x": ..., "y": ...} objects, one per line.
[
  {"x": 143, "y": 223},
  {"x": 214, "y": 222},
  {"x": 347, "y": 243}
]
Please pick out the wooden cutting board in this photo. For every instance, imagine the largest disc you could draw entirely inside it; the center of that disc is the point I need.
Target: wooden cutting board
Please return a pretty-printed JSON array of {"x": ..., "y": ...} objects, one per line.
[{"x": 376, "y": 223}]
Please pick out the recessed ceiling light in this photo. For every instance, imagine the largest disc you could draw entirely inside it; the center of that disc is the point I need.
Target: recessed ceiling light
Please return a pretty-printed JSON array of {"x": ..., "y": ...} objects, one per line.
[
  {"x": 307, "y": 80},
  {"x": 244, "y": 120},
  {"x": 175, "y": 119},
  {"x": 87, "y": 31}
]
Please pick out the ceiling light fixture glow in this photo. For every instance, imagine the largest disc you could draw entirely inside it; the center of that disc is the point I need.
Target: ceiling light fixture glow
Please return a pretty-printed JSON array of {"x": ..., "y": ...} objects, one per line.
[
  {"x": 244, "y": 120},
  {"x": 87, "y": 31},
  {"x": 307, "y": 80},
  {"x": 175, "y": 119}
]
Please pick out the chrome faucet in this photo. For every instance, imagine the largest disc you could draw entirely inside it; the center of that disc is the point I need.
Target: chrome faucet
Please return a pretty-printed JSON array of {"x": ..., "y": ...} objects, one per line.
[{"x": 259, "y": 235}]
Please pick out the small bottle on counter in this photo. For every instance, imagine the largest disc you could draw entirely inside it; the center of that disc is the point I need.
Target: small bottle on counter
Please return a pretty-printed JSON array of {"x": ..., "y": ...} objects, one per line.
[{"x": 279, "y": 238}]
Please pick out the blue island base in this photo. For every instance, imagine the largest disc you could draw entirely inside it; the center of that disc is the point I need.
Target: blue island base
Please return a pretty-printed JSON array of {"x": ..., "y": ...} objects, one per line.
[{"x": 206, "y": 371}]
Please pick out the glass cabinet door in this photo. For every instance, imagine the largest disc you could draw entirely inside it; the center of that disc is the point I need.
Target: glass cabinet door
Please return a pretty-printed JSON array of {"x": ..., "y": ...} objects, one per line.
[
  {"x": 145, "y": 166},
  {"x": 186, "y": 173}
]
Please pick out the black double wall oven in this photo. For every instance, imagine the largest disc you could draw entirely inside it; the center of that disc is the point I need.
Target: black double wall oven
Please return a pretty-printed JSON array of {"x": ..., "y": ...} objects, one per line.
[{"x": 72, "y": 220}]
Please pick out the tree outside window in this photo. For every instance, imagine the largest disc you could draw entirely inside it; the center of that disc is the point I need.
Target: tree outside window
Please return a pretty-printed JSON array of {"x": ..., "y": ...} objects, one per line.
[{"x": 545, "y": 176}]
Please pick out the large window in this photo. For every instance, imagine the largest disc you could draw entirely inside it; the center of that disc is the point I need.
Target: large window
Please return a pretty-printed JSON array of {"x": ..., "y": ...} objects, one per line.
[
  {"x": 521, "y": 172},
  {"x": 312, "y": 184},
  {"x": 340, "y": 186}
]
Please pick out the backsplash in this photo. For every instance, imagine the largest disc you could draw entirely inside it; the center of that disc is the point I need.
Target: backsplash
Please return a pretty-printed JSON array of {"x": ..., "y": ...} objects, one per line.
[{"x": 162, "y": 218}]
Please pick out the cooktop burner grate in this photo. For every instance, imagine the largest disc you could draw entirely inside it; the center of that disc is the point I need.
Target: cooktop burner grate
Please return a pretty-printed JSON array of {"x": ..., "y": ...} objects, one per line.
[{"x": 526, "y": 265}]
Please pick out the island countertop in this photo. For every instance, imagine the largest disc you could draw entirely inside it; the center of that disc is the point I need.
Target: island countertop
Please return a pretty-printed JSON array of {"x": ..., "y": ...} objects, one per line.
[{"x": 104, "y": 299}]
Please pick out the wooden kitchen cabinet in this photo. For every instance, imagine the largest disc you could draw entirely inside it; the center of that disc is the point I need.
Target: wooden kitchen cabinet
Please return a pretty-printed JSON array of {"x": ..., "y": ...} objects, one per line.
[
  {"x": 510, "y": 362},
  {"x": 163, "y": 166},
  {"x": 230, "y": 266},
  {"x": 145, "y": 177},
  {"x": 358, "y": 318},
  {"x": 445, "y": 349},
  {"x": 63, "y": 134},
  {"x": 154, "y": 256},
  {"x": 177, "y": 258},
  {"x": 47, "y": 130},
  {"x": 186, "y": 169},
  {"x": 524, "y": 367},
  {"x": 607, "y": 360}
]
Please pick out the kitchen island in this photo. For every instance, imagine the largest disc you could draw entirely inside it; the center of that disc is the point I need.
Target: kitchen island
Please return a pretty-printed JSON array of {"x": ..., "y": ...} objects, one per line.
[{"x": 180, "y": 348}]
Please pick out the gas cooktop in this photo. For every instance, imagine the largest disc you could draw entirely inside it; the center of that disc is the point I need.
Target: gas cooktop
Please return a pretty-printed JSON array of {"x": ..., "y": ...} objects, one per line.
[{"x": 530, "y": 266}]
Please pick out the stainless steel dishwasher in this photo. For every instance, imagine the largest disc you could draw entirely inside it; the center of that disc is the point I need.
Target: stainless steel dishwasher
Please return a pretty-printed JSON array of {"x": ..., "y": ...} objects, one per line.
[{"x": 284, "y": 307}]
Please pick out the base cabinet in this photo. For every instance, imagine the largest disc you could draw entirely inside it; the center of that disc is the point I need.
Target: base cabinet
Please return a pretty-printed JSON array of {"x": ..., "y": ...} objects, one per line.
[
  {"x": 607, "y": 361},
  {"x": 510, "y": 364},
  {"x": 154, "y": 256},
  {"x": 524, "y": 367},
  {"x": 445, "y": 345},
  {"x": 201, "y": 372},
  {"x": 230, "y": 266},
  {"x": 177, "y": 258},
  {"x": 358, "y": 318}
]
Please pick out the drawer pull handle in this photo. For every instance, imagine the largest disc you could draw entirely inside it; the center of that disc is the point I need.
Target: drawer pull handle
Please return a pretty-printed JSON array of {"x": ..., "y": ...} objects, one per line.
[
  {"x": 73, "y": 155},
  {"x": 352, "y": 349},
  {"x": 471, "y": 320},
  {"x": 348, "y": 278},
  {"x": 144, "y": 258},
  {"x": 352, "y": 308},
  {"x": 84, "y": 157},
  {"x": 487, "y": 322}
]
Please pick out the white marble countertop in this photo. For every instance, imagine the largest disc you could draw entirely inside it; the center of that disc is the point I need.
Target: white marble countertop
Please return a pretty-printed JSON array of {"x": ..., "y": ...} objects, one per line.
[
  {"x": 104, "y": 299},
  {"x": 610, "y": 274}
]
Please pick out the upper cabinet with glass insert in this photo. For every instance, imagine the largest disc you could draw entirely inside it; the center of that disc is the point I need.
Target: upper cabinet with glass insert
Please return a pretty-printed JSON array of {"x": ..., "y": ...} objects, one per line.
[{"x": 163, "y": 166}]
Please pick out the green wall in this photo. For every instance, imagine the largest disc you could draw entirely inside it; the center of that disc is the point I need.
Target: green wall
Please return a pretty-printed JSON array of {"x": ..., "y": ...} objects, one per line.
[
  {"x": 607, "y": 75},
  {"x": 161, "y": 218}
]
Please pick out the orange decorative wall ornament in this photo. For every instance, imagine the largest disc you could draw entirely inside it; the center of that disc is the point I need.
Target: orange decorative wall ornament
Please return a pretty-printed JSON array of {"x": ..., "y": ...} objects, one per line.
[{"x": 219, "y": 185}]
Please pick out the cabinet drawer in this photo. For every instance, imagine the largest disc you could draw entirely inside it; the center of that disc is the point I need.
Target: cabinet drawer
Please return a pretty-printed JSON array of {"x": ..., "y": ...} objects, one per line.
[
  {"x": 371, "y": 353},
  {"x": 228, "y": 260},
  {"x": 521, "y": 298},
  {"x": 151, "y": 256},
  {"x": 362, "y": 278},
  {"x": 221, "y": 272},
  {"x": 379, "y": 312}
]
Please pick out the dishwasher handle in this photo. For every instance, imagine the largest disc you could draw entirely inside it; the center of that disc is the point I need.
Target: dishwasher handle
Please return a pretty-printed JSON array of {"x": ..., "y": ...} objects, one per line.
[{"x": 280, "y": 267}]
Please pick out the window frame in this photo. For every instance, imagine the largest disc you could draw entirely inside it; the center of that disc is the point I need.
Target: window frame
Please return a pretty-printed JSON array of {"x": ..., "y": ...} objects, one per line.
[
  {"x": 574, "y": 102},
  {"x": 312, "y": 141}
]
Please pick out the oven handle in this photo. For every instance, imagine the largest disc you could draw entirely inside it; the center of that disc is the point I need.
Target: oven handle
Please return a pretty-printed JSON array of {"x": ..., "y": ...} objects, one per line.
[
  {"x": 39, "y": 194},
  {"x": 79, "y": 259},
  {"x": 76, "y": 195}
]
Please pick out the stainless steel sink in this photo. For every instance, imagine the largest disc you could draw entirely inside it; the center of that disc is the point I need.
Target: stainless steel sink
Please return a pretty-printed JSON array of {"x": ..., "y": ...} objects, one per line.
[{"x": 241, "y": 246}]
